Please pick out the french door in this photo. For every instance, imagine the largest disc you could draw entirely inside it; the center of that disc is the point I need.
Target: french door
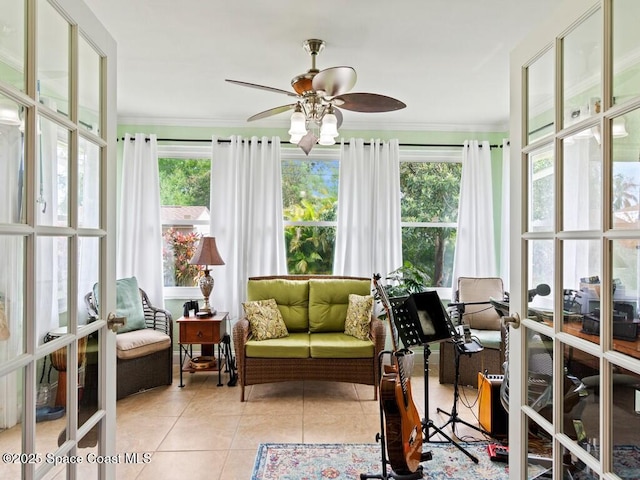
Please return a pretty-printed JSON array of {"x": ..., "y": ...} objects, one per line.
[
  {"x": 574, "y": 362},
  {"x": 57, "y": 168}
]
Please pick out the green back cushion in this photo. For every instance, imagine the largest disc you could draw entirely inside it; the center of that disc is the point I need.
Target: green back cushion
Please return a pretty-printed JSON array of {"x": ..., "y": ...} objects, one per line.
[
  {"x": 328, "y": 302},
  {"x": 128, "y": 304},
  {"x": 292, "y": 297}
]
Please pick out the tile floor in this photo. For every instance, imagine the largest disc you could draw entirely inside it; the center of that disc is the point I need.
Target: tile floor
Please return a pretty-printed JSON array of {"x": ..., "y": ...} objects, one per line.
[{"x": 203, "y": 431}]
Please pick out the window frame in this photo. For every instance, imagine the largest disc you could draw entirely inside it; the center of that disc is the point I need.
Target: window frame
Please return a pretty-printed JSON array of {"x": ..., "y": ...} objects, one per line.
[
  {"x": 432, "y": 155},
  {"x": 185, "y": 152}
]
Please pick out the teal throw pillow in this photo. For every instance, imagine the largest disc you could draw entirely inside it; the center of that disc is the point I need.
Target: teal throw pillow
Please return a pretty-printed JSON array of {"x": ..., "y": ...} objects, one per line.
[{"x": 128, "y": 304}]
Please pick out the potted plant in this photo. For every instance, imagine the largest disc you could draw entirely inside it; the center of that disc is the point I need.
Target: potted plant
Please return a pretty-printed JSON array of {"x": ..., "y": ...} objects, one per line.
[{"x": 406, "y": 280}]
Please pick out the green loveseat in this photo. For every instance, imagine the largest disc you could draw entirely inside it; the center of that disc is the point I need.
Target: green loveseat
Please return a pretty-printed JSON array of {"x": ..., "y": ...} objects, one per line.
[{"x": 314, "y": 309}]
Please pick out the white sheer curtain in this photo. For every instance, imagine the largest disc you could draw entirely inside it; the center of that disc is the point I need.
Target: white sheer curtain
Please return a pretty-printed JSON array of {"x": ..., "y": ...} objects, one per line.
[
  {"x": 47, "y": 267},
  {"x": 369, "y": 236},
  {"x": 246, "y": 216},
  {"x": 139, "y": 251},
  {"x": 88, "y": 248},
  {"x": 11, "y": 273},
  {"x": 475, "y": 247},
  {"x": 582, "y": 159},
  {"x": 505, "y": 229}
]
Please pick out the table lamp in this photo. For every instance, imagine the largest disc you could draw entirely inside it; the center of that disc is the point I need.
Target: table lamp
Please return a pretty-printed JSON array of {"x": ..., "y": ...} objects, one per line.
[{"x": 206, "y": 254}]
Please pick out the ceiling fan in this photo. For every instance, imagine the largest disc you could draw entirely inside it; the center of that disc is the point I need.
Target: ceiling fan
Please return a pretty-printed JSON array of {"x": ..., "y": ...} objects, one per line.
[{"x": 318, "y": 95}]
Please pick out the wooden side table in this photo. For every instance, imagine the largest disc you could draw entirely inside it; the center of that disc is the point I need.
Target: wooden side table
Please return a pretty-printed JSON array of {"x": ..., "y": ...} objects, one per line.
[{"x": 205, "y": 332}]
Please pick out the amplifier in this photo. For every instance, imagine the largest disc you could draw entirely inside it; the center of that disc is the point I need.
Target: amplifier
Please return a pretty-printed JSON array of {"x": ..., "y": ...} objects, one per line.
[{"x": 491, "y": 414}]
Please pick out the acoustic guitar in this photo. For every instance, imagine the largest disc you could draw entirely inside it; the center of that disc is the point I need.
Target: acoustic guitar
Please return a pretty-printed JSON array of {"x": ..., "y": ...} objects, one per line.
[{"x": 402, "y": 421}]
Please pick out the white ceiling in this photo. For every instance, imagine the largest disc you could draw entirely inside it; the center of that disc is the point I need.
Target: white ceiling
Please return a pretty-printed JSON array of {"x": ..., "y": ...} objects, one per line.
[{"x": 448, "y": 60}]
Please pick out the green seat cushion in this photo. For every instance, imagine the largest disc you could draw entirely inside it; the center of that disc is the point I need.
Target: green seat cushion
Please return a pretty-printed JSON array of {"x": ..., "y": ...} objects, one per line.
[
  {"x": 328, "y": 302},
  {"x": 292, "y": 297},
  {"x": 490, "y": 339},
  {"x": 296, "y": 345},
  {"x": 128, "y": 304},
  {"x": 339, "y": 345}
]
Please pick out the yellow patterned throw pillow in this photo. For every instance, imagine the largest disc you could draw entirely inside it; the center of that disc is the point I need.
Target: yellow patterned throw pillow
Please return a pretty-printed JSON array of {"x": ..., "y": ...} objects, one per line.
[
  {"x": 265, "y": 319},
  {"x": 359, "y": 316}
]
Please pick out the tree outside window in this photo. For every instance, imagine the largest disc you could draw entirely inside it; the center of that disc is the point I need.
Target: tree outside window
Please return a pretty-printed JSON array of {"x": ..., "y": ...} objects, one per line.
[
  {"x": 429, "y": 209},
  {"x": 310, "y": 199}
]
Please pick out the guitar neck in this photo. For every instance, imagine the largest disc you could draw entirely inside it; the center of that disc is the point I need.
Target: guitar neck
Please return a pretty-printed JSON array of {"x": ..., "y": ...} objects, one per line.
[{"x": 384, "y": 299}]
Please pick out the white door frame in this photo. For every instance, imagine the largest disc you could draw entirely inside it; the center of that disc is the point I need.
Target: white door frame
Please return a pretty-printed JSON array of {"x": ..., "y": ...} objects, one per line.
[{"x": 545, "y": 36}]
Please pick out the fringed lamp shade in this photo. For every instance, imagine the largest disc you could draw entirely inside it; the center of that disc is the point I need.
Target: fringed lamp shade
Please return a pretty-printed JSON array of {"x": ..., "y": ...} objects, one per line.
[{"x": 206, "y": 254}]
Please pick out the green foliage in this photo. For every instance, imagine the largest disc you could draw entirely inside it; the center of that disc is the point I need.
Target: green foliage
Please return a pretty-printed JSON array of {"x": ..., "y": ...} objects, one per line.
[
  {"x": 431, "y": 191},
  {"x": 310, "y": 248},
  {"x": 406, "y": 280},
  {"x": 185, "y": 182}
]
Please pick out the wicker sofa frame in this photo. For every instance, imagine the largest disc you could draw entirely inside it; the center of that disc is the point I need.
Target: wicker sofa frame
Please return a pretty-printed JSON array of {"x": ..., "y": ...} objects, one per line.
[
  {"x": 149, "y": 371},
  {"x": 253, "y": 371}
]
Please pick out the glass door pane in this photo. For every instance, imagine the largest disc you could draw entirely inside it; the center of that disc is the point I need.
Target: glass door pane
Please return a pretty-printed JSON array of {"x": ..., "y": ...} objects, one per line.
[
  {"x": 626, "y": 50},
  {"x": 582, "y": 70},
  {"x": 582, "y": 181},
  {"x": 541, "y": 191},
  {"x": 12, "y": 45},
  {"x": 88, "y": 87},
  {"x": 540, "y": 107},
  {"x": 52, "y": 174},
  {"x": 53, "y": 58},
  {"x": 11, "y": 423}
]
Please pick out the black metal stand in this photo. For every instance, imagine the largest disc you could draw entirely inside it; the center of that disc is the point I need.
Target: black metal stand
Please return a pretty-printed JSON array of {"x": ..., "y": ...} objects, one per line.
[
  {"x": 453, "y": 415},
  {"x": 381, "y": 438}
]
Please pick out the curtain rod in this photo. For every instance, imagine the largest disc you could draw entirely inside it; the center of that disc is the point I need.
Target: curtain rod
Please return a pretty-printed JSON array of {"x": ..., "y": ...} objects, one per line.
[{"x": 223, "y": 140}]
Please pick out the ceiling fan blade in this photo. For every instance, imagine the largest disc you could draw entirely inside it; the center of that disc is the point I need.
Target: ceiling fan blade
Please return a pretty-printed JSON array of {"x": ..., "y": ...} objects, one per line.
[
  {"x": 262, "y": 87},
  {"x": 335, "y": 80},
  {"x": 368, "y": 102},
  {"x": 271, "y": 111}
]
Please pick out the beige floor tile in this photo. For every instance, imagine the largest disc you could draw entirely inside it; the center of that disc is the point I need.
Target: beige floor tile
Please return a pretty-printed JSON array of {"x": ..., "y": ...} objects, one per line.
[
  {"x": 162, "y": 401},
  {"x": 331, "y": 406},
  {"x": 204, "y": 431},
  {"x": 224, "y": 401},
  {"x": 138, "y": 433},
  {"x": 256, "y": 429},
  {"x": 194, "y": 465},
  {"x": 239, "y": 464},
  {"x": 201, "y": 433},
  {"x": 341, "y": 428}
]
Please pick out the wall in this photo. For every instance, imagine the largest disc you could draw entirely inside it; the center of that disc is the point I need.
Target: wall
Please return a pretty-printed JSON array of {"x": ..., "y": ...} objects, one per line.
[{"x": 412, "y": 137}]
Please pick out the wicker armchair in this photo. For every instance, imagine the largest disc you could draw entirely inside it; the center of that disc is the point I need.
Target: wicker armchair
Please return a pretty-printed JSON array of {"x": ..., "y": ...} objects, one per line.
[{"x": 149, "y": 370}]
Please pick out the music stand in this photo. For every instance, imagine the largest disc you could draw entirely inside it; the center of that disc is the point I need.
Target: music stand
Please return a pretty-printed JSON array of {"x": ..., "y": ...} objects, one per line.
[{"x": 420, "y": 320}]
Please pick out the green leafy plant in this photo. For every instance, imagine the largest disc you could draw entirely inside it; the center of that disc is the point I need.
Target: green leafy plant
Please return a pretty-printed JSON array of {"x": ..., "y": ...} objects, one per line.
[
  {"x": 178, "y": 248},
  {"x": 406, "y": 280}
]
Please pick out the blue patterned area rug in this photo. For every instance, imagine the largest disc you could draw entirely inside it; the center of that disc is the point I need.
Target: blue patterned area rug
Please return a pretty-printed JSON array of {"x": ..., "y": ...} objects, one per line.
[{"x": 296, "y": 461}]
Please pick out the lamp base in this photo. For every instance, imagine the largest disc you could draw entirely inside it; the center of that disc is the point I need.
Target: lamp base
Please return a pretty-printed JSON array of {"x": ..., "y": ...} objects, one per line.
[{"x": 202, "y": 314}]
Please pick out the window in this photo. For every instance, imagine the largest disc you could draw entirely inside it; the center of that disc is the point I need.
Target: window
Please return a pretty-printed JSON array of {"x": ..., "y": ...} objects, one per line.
[
  {"x": 310, "y": 203},
  {"x": 430, "y": 185},
  {"x": 185, "y": 185}
]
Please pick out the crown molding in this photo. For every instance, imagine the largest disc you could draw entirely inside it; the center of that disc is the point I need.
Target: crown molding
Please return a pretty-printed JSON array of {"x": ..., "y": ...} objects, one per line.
[{"x": 353, "y": 125}]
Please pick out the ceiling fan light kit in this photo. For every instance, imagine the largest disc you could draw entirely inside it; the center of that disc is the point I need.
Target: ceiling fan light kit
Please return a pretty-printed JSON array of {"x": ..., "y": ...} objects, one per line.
[{"x": 318, "y": 93}]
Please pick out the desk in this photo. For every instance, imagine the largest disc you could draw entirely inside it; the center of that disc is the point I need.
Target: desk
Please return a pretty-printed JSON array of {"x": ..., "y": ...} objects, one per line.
[
  {"x": 205, "y": 332},
  {"x": 574, "y": 327}
]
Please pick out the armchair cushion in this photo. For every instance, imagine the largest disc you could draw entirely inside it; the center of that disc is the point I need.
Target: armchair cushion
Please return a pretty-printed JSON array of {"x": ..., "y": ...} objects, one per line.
[
  {"x": 139, "y": 343},
  {"x": 359, "y": 316},
  {"x": 480, "y": 289},
  {"x": 328, "y": 302},
  {"x": 265, "y": 319}
]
